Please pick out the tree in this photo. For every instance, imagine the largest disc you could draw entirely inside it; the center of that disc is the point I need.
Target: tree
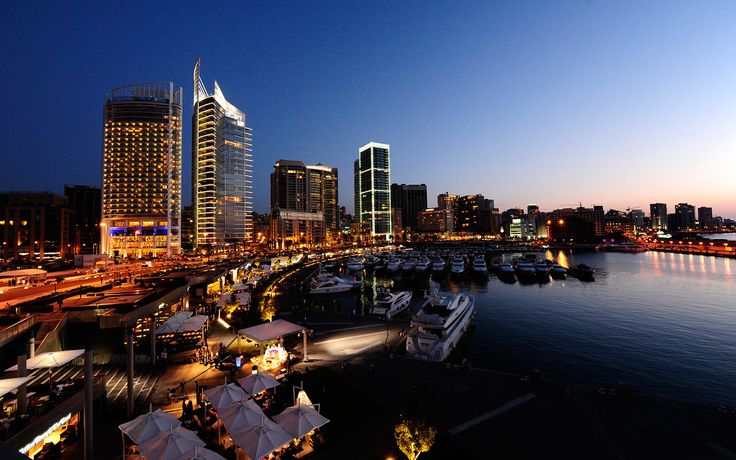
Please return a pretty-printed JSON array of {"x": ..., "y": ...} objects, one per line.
[{"x": 414, "y": 437}]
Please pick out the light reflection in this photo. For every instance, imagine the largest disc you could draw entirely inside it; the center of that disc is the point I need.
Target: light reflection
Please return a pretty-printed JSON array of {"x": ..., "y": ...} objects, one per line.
[
  {"x": 562, "y": 259},
  {"x": 691, "y": 263},
  {"x": 727, "y": 265}
]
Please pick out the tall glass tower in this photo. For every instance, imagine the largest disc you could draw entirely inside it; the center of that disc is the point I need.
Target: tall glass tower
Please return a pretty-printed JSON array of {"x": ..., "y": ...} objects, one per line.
[
  {"x": 222, "y": 165},
  {"x": 141, "y": 171},
  {"x": 373, "y": 187}
]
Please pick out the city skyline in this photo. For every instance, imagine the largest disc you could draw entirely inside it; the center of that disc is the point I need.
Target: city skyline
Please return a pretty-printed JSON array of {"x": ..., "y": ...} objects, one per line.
[{"x": 551, "y": 106}]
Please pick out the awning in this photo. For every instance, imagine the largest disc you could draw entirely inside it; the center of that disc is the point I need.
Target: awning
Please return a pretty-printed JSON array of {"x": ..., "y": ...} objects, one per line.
[
  {"x": 50, "y": 359},
  {"x": 193, "y": 324},
  {"x": 19, "y": 273},
  {"x": 8, "y": 385},
  {"x": 271, "y": 331},
  {"x": 174, "y": 323}
]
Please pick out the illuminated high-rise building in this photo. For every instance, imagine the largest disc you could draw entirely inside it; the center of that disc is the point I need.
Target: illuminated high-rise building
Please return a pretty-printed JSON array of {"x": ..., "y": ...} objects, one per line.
[
  {"x": 658, "y": 215},
  {"x": 221, "y": 169},
  {"x": 141, "y": 171},
  {"x": 372, "y": 172},
  {"x": 323, "y": 195}
]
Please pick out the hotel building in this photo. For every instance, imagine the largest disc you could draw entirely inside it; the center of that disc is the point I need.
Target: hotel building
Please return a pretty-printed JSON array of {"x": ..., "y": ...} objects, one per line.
[
  {"x": 141, "y": 171},
  {"x": 221, "y": 169}
]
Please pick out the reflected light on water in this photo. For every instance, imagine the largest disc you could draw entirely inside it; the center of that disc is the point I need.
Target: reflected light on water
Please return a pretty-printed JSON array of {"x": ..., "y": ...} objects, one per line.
[
  {"x": 727, "y": 266},
  {"x": 562, "y": 259}
]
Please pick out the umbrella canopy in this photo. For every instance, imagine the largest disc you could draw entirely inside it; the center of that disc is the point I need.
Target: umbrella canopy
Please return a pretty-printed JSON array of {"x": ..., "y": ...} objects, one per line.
[
  {"x": 300, "y": 420},
  {"x": 222, "y": 396},
  {"x": 262, "y": 439},
  {"x": 200, "y": 453},
  {"x": 8, "y": 385},
  {"x": 241, "y": 415},
  {"x": 255, "y": 383},
  {"x": 50, "y": 359},
  {"x": 193, "y": 323},
  {"x": 303, "y": 399},
  {"x": 172, "y": 445},
  {"x": 149, "y": 426}
]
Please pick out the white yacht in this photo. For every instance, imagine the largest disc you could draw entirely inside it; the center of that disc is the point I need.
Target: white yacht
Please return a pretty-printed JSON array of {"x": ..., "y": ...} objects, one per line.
[
  {"x": 354, "y": 265},
  {"x": 458, "y": 265},
  {"x": 438, "y": 265},
  {"x": 389, "y": 304},
  {"x": 541, "y": 268},
  {"x": 423, "y": 265},
  {"x": 505, "y": 268},
  {"x": 330, "y": 286},
  {"x": 440, "y": 324},
  {"x": 479, "y": 265},
  {"x": 525, "y": 268},
  {"x": 394, "y": 265},
  {"x": 409, "y": 265}
]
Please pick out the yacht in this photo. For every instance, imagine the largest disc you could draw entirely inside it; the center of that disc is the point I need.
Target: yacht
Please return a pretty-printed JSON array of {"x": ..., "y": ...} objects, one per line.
[
  {"x": 330, "y": 286},
  {"x": 479, "y": 265},
  {"x": 438, "y": 265},
  {"x": 409, "y": 265},
  {"x": 558, "y": 271},
  {"x": 354, "y": 265},
  {"x": 440, "y": 324},
  {"x": 505, "y": 269},
  {"x": 389, "y": 304},
  {"x": 394, "y": 265},
  {"x": 542, "y": 268},
  {"x": 423, "y": 265},
  {"x": 458, "y": 265},
  {"x": 525, "y": 268},
  {"x": 582, "y": 271}
]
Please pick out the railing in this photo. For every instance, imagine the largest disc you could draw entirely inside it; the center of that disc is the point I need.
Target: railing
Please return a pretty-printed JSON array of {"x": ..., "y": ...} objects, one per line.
[
  {"x": 52, "y": 341},
  {"x": 12, "y": 332}
]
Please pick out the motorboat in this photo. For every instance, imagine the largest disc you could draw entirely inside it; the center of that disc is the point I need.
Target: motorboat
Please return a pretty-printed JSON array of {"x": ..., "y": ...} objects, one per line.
[
  {"x": 409, "y": 265},
  {"x": 423, "y": 265},
  {"x": 354, "y": 265},
  {"x": 582, "y": 271},
  {"x": 394, "y": 265},
  {"x": 438, "y": 265},
  {"x": 525, "y": 268},
  {"x": 506, "y": 269},
  {"x": 440, "y": 324},
  {"x": 541, "y": 268},
  {"x": 389, "y": 304},
  {"x": 479, "y": 265},
  {"x": 458, "y": 265},
  {"x": 330, "y": 286},
  {"x": 558, "y": 271}
]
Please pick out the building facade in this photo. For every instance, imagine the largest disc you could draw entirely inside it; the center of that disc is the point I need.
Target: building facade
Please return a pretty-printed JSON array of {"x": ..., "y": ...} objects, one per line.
[
  {"x": 684, "y": 216},
  {"x": 222, "y": 164},
  {"x": 705, "y": 217},
  {"x": 658, "y": 216},
  {"x": 34, "y": 226},
  {"x": 85, "y": 203},
  {"x": 322, "y": 185},
  {"x": 372, "y": 172},
  {"x": 435, "y": 221},
  {"x": 141, "y": 171},
  {"x": 475, "y": 214},
  {"x": 411, "y": 200}
]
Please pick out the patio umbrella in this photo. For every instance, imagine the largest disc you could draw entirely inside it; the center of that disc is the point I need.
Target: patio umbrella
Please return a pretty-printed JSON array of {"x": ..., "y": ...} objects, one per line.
[
  {"x": 200, "y": 453},
  {"x": 50, "y": 359},
  {"x": 223, "y": 395},
  {"x": 149, "y": 426},
  {"x": 172, "y": 445},
  {"x": 174, "y": 322},
  {"x": 255, "y": 383},
  {"x": 300, "y": 420},
  {"x": 8, "y": 385},
  {"x": 262, "y": 439},
  {"x": 241, "y": 415},
  {"x": 193, "y": 323}
]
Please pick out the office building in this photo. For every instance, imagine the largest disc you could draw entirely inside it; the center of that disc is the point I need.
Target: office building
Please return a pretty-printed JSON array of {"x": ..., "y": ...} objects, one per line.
[
  {"x": 222, "y": 163},
  {"x": 411, "y": 200},
  {"x": 658, "y": 215},
  {"x": 293, "y": 218},
  {"x": 372, "y": 173},
  {"x": 637, "y": 218},
  {"x": 449, "y": 202},
  {"x": 141, "y": 171},
  {"x": 705, "y": 217},
  {"x": 564, "y": 224},
  {"x": 475, "y": 214},
  {"x": 322, "y": 182},
  {"x": 85, "y": 203},
  {"x": 34, "y": 225}
]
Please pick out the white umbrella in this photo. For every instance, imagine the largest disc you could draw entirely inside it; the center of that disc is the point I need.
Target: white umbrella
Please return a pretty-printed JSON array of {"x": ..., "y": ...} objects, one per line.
[
  {"x": 255, "y": 383},
  {"x": 241, "y": 415},
  {"x": 172, "y": 445},
  {"x": 262, "y": 439},
  {"x": 200, "y": 453},
  {"x": 8, "y": 385},
  {"x": 174, "y": 322},
  {"x": 222, "y": 396},
  {"x": 50, "y": 359},
  {"x": 149, "y": 426},
  {"x": 300, "y": 420},
  {"x": 193, "y": 323}
]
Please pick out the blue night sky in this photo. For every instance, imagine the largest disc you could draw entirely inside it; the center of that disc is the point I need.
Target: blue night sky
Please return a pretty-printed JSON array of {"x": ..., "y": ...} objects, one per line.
[{"x": 615, "y": 103}]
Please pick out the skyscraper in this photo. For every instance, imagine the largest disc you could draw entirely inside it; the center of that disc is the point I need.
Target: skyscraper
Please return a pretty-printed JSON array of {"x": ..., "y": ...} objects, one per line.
[
  {"x": 372, "y": 185},
  {"x": 323, "y": 195},
  {"x": 684, "y": 216},
  {"x": 411, "y": 199},
  {"x": 221, "y": 169},
  {"x": 705, "y": 217},
  {"x": 658, "y": 214},
  {"x": 294, "y": 219},
  {"x": 141, "y": 171}
]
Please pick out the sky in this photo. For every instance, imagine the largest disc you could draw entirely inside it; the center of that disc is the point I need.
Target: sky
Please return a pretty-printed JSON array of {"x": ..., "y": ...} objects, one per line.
[{"x": 555, "y": 103}]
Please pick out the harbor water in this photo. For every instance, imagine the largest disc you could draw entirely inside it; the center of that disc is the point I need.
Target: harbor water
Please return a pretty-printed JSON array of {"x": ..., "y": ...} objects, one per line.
[{"x": 664, "y": 324}]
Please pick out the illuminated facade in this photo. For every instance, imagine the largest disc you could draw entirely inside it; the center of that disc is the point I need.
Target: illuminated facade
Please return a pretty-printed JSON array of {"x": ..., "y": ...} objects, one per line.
[
  {"x": 141, "y": 171},
  {"x": 323, "y": 196},
  {"x": 372, "y": 172},
  {"x": 221, "y": 169}
]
